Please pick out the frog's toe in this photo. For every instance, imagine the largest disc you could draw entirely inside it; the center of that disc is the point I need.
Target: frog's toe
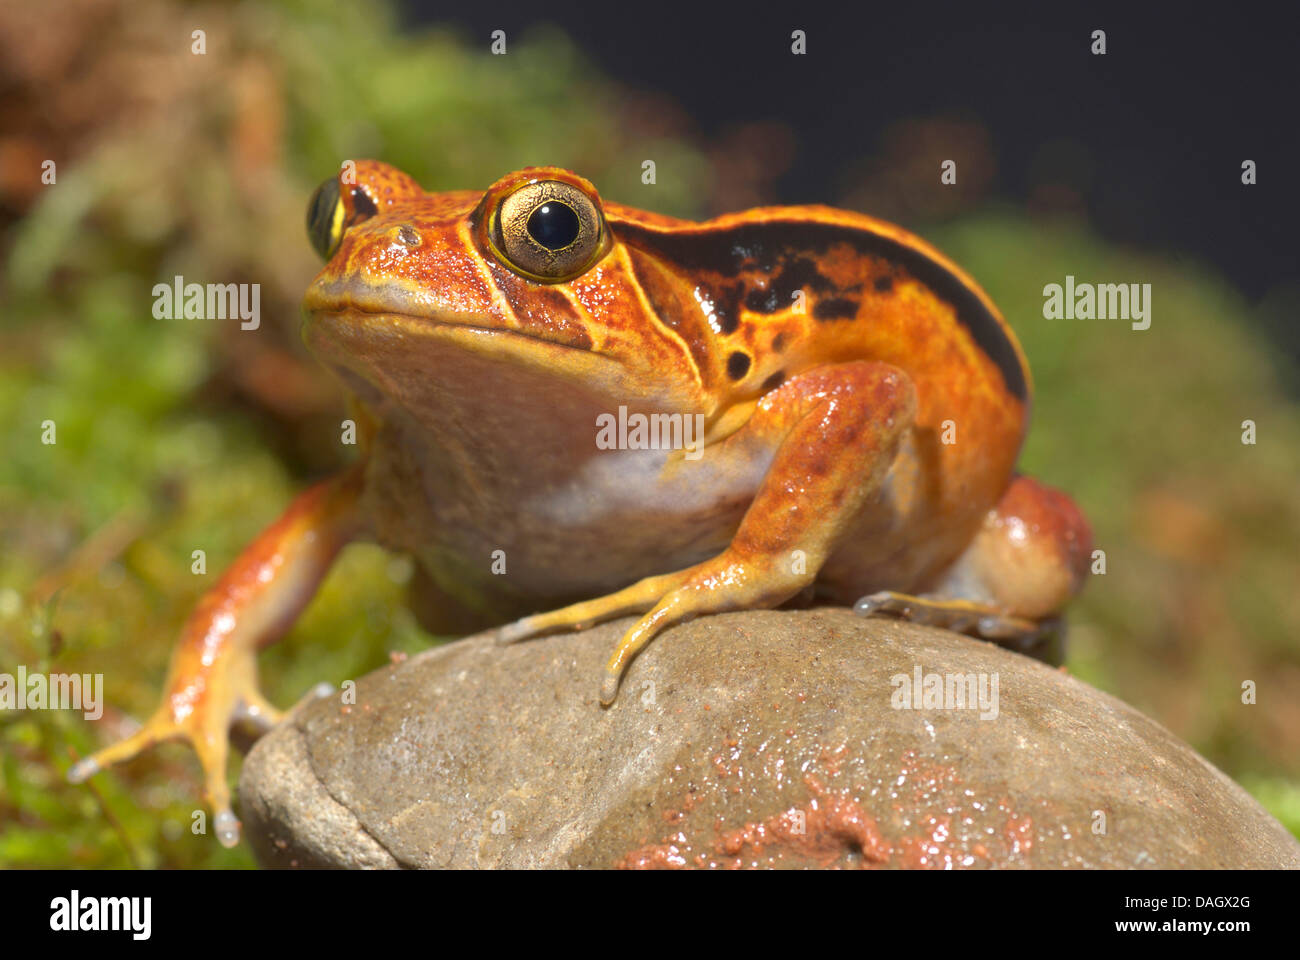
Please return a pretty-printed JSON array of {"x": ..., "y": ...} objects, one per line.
[
  {"x": 609, "y": 688},
  {"x": 638, "y": 598},
  {"x": 255, "y": 710},
  {"x": 157, "y": 730},
  {"x": 213, "y": 748},
  {"x": 514, "y": 632},
  {"x": 872, "y": 603},
  {"x": 83, "y": 770},
  {"x": 716, "y": 586},
  {"x": 227, "y": 827},
  {"x": 674, "y": 608},
  {"x": 956, "y": 614}
]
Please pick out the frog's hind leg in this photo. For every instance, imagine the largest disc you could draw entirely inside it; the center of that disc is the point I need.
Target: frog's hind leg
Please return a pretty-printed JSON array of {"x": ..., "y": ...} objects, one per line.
[{"x": 1028, "y": 559}]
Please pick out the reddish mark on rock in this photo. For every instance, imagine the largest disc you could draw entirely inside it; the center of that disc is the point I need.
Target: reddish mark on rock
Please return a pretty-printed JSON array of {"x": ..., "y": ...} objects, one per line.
[
  {"x": 689, "y": 804},
  {"x": 932, "y": 851},
  {"x": 925, "y": 779},
  {"x": 835, "y": 828},
  {"x": 831, "y": 759},
  {"x": 1019, "y": 832},
  {"x": 820, "y": 830},
  {"x": 655, "y": 856}
]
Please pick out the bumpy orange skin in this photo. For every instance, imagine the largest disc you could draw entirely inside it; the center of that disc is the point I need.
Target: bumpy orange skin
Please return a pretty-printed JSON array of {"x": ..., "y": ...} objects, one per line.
[{"x": 862, "y": 403}]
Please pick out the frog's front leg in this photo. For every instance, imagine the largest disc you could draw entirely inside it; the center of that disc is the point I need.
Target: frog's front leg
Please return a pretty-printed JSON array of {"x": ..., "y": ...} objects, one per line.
[
  {"x": 212, "y": 681},
  {"x": 835, "y": 431}
]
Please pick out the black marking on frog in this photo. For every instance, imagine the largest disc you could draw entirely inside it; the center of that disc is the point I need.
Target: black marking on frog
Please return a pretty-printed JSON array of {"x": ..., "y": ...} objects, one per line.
[
  {"x": 738, "y": 365},
  {"x": 835, "y": 308},
  {"x": 763, "y": 247}
]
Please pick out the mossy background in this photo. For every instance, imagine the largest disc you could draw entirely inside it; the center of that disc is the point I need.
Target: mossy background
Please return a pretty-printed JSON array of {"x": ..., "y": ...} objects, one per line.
[{"x": 183, "y": 435}]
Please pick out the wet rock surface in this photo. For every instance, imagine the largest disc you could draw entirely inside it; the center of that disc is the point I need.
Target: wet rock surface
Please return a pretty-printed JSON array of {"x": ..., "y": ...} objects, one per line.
[{"x": 769, "y": 738}]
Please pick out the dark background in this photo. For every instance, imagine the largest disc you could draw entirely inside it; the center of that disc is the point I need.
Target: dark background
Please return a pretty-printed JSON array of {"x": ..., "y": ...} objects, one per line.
[{"x": 1154, "y": 131}]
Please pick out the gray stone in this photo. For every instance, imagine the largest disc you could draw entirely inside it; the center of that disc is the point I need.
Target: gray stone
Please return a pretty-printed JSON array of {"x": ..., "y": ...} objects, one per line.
[{"x": 764, "y": 738}]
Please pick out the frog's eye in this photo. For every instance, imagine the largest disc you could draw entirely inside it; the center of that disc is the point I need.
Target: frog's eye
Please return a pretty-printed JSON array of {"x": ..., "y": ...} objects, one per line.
[
  {"x": 328, "y": 217},
  {"x": 548, "y": 231},
  {"x": 325, "y": 218}
]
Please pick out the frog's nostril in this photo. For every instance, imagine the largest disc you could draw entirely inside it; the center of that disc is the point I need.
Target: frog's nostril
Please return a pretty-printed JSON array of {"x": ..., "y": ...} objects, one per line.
[{"x": 406, "y": 233}]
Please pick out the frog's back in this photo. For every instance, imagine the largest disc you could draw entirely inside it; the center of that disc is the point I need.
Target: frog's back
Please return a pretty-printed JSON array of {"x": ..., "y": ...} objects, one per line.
[
  {"x": 761, "y": 296},
  {"x": 789, "y": 288}
]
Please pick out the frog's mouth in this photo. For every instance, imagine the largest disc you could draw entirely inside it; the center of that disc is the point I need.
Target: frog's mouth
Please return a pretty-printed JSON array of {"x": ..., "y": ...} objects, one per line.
[
  {"x": 423, "y": 364},
  {"x": 374, "y": 306},
  {"x": 375, "y": 333},
  {"x": 464, "y": 329},
  {"x": 412, "y": 349}
]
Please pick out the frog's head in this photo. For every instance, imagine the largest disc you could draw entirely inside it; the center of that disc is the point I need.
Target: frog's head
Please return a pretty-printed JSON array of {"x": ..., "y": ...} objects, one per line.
[{"x": 436, "y": 301}]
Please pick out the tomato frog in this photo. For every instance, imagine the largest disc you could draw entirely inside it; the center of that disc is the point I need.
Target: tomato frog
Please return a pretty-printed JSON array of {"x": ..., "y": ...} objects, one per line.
[{"x": 859, "y": 405}]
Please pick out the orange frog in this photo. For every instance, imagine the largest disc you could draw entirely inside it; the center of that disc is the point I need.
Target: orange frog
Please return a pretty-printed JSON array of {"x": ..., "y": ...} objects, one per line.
[{"x": 634, "y": 414}]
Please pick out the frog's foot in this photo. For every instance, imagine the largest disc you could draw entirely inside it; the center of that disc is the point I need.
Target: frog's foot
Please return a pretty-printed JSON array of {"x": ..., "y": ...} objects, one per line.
[
  {"x": 212, "y": 682},
  {"x": 724, "y": 583},
  {"x": 962, "y": 616},
  {"x": 638, "y": 598},
  {"x": 730, "y": 581},
  {"x": 203, "y": 717},
  {"x": 202, "y": 711}
]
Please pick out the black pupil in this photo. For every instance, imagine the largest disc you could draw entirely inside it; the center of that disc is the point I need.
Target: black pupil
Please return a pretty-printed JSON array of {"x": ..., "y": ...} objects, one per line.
[{"x": 553, "y": 225}]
